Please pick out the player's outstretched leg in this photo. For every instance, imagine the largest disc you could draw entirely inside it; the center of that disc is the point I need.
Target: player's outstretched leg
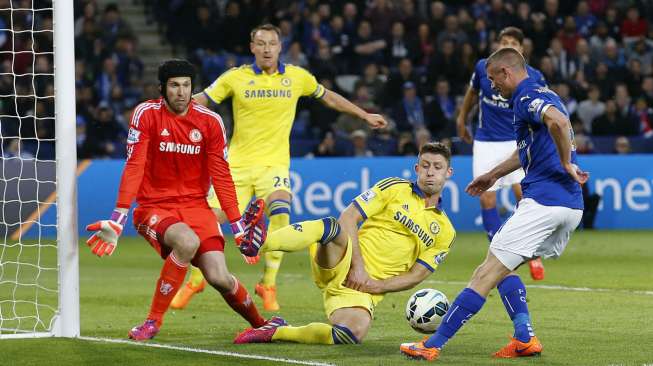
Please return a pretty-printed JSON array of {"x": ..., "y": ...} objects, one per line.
[
  {"x": 196, "y": 284},
  {"x": 313, "y": 333},
  {"x": 170, "y": 280},
  {"x": 267, "y": 289},
  {"x": 296, "y": 237},
  {"x": 523, "y": 342}
]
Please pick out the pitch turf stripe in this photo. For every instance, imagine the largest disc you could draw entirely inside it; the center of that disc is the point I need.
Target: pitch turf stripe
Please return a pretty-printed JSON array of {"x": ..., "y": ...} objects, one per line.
[
  {"x": 560, "y": 288},
  {"x": 205, "y": 351}
]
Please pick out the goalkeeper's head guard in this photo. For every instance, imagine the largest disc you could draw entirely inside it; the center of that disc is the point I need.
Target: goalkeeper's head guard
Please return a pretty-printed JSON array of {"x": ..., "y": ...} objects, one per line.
[{"x": 175, "y": 68}]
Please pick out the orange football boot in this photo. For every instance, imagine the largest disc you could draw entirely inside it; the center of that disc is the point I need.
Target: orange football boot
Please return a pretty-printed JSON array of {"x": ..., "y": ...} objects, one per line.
[
  {"x": 515, "y": 348},
  {"x": 418, "y": 351},
  {"x": 269, "y": 296},
  {"x": 182, "y": 298}
]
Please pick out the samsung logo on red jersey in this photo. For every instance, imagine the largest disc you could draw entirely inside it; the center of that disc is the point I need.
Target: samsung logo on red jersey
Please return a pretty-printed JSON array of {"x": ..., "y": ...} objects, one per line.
[{"x": 179, "y": 148}]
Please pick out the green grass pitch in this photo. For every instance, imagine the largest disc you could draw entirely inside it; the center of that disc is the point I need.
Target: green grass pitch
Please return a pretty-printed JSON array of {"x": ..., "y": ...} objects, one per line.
[{"x": 610, "y": 326}]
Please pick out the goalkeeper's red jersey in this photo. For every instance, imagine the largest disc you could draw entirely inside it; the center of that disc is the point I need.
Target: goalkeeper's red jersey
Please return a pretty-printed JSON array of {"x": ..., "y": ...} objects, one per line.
[{"x": 171, "y": 159}]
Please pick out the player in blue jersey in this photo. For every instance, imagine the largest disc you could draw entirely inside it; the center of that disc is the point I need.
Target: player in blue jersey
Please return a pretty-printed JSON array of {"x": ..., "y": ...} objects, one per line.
[
  {"x": 551, "y": 209},
  {"x": 494, "y": 139}
]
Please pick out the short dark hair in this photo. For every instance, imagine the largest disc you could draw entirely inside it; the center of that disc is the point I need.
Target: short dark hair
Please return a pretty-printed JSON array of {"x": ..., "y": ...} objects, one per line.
[
  {"x": 175, "y": 68},
  {"x": 436, "y": 148},
  {"x": 513, "y": 32},
  {"x": 265, "y": 27},
  {"x": 507, "y": 55}
]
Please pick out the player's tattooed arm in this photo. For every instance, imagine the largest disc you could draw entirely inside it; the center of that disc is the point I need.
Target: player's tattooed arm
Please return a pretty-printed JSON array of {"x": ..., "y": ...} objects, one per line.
[
  {"x": 483, "y": 182},
  {"x": 348, "y": 221},
  {"x": 404, "y": 281},
  {"x": 336, "y": 101},
  {"x": 563, "y": 137}
]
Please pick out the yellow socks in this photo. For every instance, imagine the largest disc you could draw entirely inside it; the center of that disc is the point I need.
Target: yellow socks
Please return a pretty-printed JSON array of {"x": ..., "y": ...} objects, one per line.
[
  {"x": 279, "y": 218},
  {"x": 314, "y": 333},
  {"x": 294, "y": 237}
]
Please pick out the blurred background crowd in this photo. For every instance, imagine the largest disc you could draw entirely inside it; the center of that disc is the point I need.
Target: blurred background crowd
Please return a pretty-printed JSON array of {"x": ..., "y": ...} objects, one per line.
[{"x": 410, "y": 60}]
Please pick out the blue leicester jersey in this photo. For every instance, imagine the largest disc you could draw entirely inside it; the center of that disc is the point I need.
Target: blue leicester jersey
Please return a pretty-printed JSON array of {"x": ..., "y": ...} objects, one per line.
[
  {"x": 495, "y": 114},
  {"x": 546, "y": 181}
]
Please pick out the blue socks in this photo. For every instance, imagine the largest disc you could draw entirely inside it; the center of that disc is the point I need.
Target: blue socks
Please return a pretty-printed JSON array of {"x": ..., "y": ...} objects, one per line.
[
  {"x": 491, "y": 221},
  {"x": 468, "y": 303},
  {"x": 513, "y": 295}
]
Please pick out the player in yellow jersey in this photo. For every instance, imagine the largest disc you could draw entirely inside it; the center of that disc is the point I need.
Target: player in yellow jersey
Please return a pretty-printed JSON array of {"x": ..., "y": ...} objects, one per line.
[
  {"x": 264, "y": 99},
  {"x": 404, "y": 237}
]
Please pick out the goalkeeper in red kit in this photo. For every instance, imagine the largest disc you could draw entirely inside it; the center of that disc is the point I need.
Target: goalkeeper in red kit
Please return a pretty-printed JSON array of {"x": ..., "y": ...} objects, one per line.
[{"x": 175, "y": 148}]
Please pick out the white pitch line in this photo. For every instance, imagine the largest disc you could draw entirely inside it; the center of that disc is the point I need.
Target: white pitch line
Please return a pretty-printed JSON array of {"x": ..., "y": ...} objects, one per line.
[
  {"x": 205, "y": 351},
  {"x": 560, "y": 288}
]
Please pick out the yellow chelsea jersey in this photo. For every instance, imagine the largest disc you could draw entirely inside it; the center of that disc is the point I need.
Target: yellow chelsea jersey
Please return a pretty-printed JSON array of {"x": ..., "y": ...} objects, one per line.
[
  {"x": 264, "y": 110},
  {"x": 399, "y": 230}
]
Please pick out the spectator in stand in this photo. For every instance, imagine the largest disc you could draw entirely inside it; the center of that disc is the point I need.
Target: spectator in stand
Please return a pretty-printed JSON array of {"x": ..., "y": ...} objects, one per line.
[
  {"x": 548, "y": 70},
  {"x": 481, "y": 36},
  {"x": 233, "y": 30},
  {"x": 446, "y": 64},
  {"x": 295, "y": 56},
  {"x": 396, "y": 80},
  {"x": 647, "y": 89},
  {"x": 614, "y": 58},
  {"x": 634, "y": 26},
  {"x": 408, "y": 112},
  {"x": 610, "y": 124},
  {"x": 585, "y": 20},
  {"x": 341, "y": 45},
  {"x": 367, "y": 47},
  {"x": 438, "y": 13},
  {"x": 400, "y": 45},
  {"x": 452, "y": 32},
  {"x": 564, "y": 64},
  {"x": 583, "y": 58},
  {"x": 613, "y": 23},
  {"x": 359, "y": 144},
  {"x": 642, "y": 51},
  {"x": 102, "y": 135},
  {"x": 201, "y": 32},
  {"x": 425, "y": 45},
  {"x": 598, "y": 40},
  {"x": 569, "y": 36},
  {"x": 643, "y": 114},
  {"x": 564, "y": 92},
  {"x": 422, "y": 136},
  {"x": 590, "y": 108},
  {"x": 321, "y": 64},
  {"x": 604, "y": 79},
  {"x": 113, "y": 26},
  {"x": 107, "y": 78},
  {"x": 622, "y": 145},
  {"x": 406, "y": 144},
  {"x": 371, "y": 80},
  {"x": 500, "y": 15},
  {"x": 381, "y": 14},
  {"x": 315, "y": 29},
  {"x": 634, "y": 77},
  {"x": 326, "y": 147}
]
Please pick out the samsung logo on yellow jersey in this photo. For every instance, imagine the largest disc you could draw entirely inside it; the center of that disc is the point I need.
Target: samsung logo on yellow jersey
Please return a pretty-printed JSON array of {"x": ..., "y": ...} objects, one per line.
[
  {"x": 268, "y": 93},
  {"x": 415, "y": 228}
]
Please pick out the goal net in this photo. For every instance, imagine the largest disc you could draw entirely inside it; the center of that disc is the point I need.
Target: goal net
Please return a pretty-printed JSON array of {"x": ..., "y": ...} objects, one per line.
[{"x": 39, "y": 293}]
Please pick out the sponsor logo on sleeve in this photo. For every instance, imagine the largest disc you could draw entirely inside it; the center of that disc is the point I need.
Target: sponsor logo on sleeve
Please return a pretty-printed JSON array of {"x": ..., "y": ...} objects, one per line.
[
  {"x": 440, "y": 258},
  {"x": 535, "y": 105},
  {"x": 133, "y": 136},
  {"x": 368, "y": 195}
]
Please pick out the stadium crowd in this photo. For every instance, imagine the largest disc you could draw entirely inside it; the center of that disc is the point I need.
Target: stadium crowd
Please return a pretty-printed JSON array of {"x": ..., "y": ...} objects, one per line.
[{"x": 410, "y": 60}]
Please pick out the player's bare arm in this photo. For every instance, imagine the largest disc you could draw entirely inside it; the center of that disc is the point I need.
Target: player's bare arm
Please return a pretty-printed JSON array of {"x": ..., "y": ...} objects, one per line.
[
  {"x": 471, "y": 98},
  {"x": 559, "y": 128},
  {"x": 404, "y": 281},
  {"x": 485, "y": 181},
  {"x": 336, "y": 101},
  {"x": 202, "y": 99},
  {"x": 349, "y": 220}
]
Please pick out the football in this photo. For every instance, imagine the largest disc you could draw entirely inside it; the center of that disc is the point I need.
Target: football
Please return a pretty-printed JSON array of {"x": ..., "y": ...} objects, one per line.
[{"x": 425, "y": 310}]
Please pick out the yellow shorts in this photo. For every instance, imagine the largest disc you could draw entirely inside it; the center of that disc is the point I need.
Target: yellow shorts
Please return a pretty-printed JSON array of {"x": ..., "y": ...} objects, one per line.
[
  {"x": 334, "y": 294},
  {"x": 255, "y": 182}
]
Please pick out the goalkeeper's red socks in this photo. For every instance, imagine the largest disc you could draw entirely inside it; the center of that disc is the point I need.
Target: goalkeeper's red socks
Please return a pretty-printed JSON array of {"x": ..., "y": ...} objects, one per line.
[
  {"x": 239, "y": 300},
  {"x": 170, "y": 281}
]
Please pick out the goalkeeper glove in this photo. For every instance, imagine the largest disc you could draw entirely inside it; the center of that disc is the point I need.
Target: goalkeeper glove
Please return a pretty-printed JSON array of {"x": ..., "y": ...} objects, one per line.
[
  {"x": 105, "y": 239},
  {"x": 238, "y": 228}
]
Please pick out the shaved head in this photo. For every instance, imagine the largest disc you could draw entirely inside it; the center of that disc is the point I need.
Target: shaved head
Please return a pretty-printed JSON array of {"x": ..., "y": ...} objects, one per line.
[
  {"x": 506, "y": 68},
  {"x": 508, "y": 58}
]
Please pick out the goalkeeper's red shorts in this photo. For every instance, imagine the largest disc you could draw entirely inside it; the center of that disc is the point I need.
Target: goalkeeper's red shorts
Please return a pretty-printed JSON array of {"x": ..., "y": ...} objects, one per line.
[{"x": 152, "y": 224}]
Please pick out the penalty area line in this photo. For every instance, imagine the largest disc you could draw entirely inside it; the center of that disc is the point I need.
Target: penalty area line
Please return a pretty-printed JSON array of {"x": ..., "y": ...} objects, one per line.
[{"x": 204, "y": 351}]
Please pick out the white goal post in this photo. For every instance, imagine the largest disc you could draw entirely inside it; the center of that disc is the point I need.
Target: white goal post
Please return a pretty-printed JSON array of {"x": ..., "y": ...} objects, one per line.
[{"x": 39, "y": 274}]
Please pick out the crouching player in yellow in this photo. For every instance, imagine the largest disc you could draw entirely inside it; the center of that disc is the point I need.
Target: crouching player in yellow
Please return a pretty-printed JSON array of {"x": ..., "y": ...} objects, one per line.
[{"x": 404, "y": 237}]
